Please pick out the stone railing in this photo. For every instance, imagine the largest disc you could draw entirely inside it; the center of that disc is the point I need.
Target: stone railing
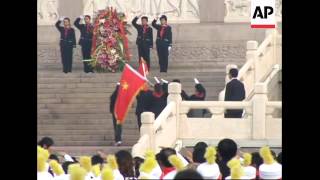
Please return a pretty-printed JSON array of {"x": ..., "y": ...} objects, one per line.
[
  {"x": 267, "y": 79},
  {"x": 173, "y": 126},
  {"x": 160, "y": 132},
  {"x": 259, "y": 62}
]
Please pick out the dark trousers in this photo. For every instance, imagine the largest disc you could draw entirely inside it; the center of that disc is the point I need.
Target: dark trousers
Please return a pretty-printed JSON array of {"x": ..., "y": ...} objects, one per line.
[
  {"x": 66, "y": 57},
  {"x": 139, "y": 120},
  {"x": 163, "y": 56},
  {"x": 86, "y": 54},
  {"x": 236, "y": 113},
  {"x": 117, "y": 129},
  {"x": 144, "y": 52}
]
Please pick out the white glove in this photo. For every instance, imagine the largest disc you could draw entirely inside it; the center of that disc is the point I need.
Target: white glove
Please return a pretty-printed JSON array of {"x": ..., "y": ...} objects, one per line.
[
  {"x": 68, "y": 158},
  {"x": 61, "y": 18},
  {"x": 169, "y": 48},
  {"x": 196, "y": 81},
  {"x": 81, "y": 17}
]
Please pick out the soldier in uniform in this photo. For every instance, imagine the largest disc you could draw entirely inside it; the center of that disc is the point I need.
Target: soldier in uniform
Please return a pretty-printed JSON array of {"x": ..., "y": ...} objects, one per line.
[
  {"x": 85, "y": 41},
  {"x": 143, "y": 103},
  {"x": 163, "y": 42},
  {"x": 144, "y": 39},
  {"x": 67, "y": 43}
]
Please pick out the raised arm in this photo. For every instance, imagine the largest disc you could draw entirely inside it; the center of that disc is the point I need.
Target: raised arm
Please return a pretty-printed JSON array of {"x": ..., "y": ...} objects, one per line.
[
  {"x": 77, "y": 23},
  {"x": 58, "y": 25},
  {"x": 134, "y": 22},
  {"x": 155, "y": 25}
]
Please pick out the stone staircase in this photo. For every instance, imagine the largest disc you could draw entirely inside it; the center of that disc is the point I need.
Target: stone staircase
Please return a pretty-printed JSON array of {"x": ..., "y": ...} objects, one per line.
[{"x": 73, "y": 108}]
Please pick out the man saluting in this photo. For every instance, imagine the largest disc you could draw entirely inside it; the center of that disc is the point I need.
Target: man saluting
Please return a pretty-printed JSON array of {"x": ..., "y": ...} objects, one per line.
[
  {"x": 144, "y": 39},
  {"x": 163, "y": 42},
  {"x": 85, "y": 41}
]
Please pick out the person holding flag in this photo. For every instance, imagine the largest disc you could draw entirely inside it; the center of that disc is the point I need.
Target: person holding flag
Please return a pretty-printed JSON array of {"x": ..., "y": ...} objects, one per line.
[
  {"x": 131, "y": 84},
  {"x": 116, "y": 127}
]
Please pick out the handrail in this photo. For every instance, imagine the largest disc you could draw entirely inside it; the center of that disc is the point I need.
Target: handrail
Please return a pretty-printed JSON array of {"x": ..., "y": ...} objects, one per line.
[
  {"x": 259, "y": 51},
  {"x": 217, "y": 104},
  {"x": 275, "y": 104},
  {"x": 245, "y": 68},
  {"x": 263, "y": 46},
  {"x": 276, "y": 68},
  {"x": 164, "y": 115}
]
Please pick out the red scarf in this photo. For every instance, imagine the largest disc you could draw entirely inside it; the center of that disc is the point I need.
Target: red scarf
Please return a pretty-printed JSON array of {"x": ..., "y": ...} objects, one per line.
[
  {"x": 165, "y": 171},
  {"x": 145, "y": 27},
  {"x": 200, "y": 95},
  {"x": 158, "y": 95},
  {"x": 162, "y": 30}
]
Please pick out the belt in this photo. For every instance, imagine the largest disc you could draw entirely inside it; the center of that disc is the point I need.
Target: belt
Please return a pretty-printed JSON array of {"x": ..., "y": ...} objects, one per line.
[{"x": 86, "y": 38}]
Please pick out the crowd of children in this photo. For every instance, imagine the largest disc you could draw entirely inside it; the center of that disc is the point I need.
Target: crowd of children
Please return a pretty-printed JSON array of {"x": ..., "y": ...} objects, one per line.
[{"x": 204, "y": 162}]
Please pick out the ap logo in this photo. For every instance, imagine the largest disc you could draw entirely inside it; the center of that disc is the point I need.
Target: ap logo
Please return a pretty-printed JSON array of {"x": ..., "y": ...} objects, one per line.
[{"x": 263, "y": 14}]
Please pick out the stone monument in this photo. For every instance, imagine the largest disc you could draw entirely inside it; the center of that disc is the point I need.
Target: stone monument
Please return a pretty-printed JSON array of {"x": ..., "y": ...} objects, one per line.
[
  {"x": 47, "y": 12},
  {"x": 177, "y": 11}
]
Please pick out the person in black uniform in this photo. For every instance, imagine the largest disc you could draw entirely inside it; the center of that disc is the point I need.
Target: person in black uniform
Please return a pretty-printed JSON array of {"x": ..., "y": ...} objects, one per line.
[
  {"x": 67, "y": 43},
  {"x": 117, "y": 127},
  {"x": 184, "y": 95},
  {"x": 163, "y": 42},
  {"x": 143, "y": 103},
  {"x": 158, "y": 100},
  {"x": 200, "y": 95},
  {"x": 234, "y": 92},
  {"x": 144, "y": 38},
  {"x": 85, "y": 41}
]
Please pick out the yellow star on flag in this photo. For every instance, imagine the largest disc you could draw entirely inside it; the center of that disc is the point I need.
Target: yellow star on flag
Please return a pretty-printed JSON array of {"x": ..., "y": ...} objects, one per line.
[{"x": 125, "y": 85}]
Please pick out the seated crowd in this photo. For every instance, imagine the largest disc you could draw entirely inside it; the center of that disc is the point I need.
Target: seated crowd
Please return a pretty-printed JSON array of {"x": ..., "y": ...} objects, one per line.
[{"x": 225, "y": 161}]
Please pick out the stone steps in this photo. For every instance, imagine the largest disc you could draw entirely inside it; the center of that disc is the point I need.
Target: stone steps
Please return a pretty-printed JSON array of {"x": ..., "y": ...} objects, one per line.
[{"x": 73, "y": 108}]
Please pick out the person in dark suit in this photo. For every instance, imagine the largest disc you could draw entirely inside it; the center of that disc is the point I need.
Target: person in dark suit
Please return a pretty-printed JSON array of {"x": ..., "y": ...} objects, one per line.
[
  {"x": 158, "y": 100},
  {"x": 234, "y": 92},
  {"x": 67, "y": 43},
  {"x": 144, "y": 39},
  {"x": 143, "y": 103},
  {"x": 117, "y": 127},
  {"x": 163, "y": 42},
  {"x": 85, "y": 41}
]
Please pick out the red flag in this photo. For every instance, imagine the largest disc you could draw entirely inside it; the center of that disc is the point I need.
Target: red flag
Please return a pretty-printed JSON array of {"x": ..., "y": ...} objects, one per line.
[
  {"x": 143, "y": 68},
  {"x": 130, "y": 85}
]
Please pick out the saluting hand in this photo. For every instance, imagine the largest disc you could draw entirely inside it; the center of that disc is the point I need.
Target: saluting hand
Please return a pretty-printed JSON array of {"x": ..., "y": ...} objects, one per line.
[{"x": 81, "y": 17}]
